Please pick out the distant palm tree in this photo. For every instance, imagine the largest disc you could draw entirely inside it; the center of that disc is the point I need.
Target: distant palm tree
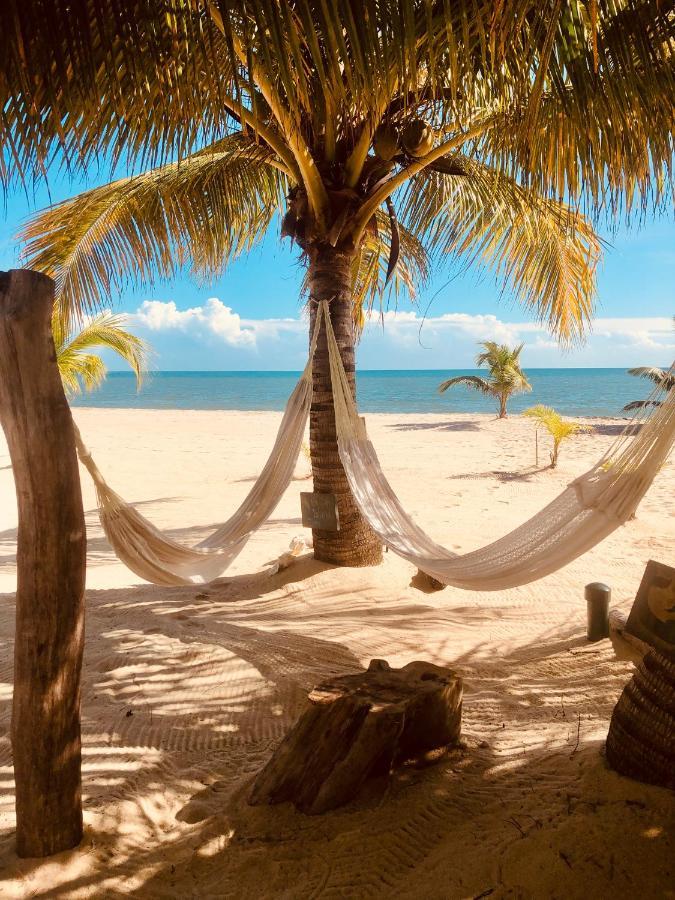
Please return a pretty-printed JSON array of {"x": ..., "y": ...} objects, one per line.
[
  {"x": 556, "y": 426},
  {"x": 81, "y": 368},
  {"x": 506, "y": 376},
  {"x": 661, "y": 377}
]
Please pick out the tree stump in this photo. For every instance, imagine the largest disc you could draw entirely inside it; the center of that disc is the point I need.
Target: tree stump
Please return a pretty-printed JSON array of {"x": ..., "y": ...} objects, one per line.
[
  {"x": 358, "y": 726},
  {"x": 51, "y": 556},
  {"x": 641, "y": 738}
]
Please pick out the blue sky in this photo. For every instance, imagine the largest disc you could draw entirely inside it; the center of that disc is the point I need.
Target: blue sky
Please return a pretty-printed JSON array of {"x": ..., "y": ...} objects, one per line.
[{"x": 251, "y": 317}]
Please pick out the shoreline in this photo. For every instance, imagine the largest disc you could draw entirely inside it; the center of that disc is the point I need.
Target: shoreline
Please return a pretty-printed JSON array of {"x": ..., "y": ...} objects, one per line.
[{"x": 215, "y": 411}]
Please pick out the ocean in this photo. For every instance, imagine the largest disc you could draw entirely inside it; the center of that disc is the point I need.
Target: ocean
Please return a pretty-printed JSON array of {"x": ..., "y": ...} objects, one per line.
[{"x": 573, "y": 392}]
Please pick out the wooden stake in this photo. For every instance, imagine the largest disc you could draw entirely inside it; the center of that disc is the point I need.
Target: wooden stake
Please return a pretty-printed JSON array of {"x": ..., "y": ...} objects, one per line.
[{"x": 51, "y": 558}]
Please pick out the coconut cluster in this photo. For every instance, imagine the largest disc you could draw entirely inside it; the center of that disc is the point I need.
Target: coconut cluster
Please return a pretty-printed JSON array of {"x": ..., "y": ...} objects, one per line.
[{"x": 416, "y": 139}]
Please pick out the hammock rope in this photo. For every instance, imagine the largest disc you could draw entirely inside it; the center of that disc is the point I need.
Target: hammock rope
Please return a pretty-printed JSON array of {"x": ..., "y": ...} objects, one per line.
[
  {"x": 588, "y": 510},
  {"x": 157, "y": 558}
]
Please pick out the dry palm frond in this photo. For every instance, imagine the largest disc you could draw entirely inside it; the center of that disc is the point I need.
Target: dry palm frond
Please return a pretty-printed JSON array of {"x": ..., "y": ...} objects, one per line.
[
  {"x": 370, "y": 286},
  {"x": 659, "y": 377}
]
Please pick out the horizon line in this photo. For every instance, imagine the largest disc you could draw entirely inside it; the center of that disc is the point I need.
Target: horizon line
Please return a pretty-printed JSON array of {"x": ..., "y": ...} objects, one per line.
[{"x": 369, "y": 370}]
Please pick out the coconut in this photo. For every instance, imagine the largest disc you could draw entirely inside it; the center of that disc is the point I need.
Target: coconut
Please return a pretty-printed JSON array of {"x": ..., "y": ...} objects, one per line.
[
  {"x": 385, "y": 142},
  {"x": 417, "y": 138}
]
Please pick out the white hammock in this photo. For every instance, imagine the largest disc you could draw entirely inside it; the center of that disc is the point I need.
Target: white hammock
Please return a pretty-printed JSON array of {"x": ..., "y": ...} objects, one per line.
[
  {"x": 592, "y": 507},
  {"x": 160, "y": 559}
]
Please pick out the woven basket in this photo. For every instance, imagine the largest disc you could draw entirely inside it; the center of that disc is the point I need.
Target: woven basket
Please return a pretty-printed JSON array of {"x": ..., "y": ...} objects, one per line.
[{"x": 641, "y": 738}]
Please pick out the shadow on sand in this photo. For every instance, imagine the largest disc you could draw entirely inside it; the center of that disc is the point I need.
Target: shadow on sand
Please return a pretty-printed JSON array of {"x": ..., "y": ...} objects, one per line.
[
  {"x": 435, "y": 426},
  {"x": 201, "y": 684}
]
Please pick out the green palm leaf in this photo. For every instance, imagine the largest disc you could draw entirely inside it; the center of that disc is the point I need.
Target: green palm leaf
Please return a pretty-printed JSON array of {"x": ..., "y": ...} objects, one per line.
[
  {"x": 473, "y": 382},
  {"x": 79, "y": 366},
  {"x": 524, "y": 102},
  {"x": 660, "y": 377},
  {"x": 560, "y": 429}
]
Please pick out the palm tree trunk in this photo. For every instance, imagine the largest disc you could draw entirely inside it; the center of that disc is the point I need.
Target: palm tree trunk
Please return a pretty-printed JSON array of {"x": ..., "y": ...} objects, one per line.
[
  {"x": 502, "y": 405},
  {"x": 354, "y": 544},
  {"x": 554, "y": 454}
]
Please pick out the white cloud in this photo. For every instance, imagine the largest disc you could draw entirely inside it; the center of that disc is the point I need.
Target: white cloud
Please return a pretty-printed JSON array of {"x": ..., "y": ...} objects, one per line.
[
  {"x": 410, "y": 341},
  {"x": 653, "y": 331},
  {"x": 407, "y": 340},
  {"x": 213, "y": 317}
]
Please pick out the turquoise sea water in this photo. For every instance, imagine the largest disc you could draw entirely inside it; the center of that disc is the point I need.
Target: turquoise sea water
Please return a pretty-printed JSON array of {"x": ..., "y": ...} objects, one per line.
[{"x": 574, "y": 392}]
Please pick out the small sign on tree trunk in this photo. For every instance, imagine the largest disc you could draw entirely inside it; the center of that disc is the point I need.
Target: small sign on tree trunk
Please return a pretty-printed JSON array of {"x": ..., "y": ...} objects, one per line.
[{"x": 319, "y": 511}]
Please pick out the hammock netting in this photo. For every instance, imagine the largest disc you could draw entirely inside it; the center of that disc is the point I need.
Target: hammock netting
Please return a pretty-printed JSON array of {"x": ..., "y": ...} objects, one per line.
[
  {"x": 588, "y": 510},
  {"x": 157, "y": 558}
]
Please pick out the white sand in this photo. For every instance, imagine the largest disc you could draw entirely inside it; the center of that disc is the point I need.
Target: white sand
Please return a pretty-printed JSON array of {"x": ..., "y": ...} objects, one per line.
[{"x": 186, "y": 691}]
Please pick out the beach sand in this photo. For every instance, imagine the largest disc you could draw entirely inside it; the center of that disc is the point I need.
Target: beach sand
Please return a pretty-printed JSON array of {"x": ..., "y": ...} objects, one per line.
[{"x": 188, "y": 690}]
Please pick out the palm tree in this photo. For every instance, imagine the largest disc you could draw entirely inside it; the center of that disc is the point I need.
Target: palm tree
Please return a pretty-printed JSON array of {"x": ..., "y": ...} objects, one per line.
[
  {"x": 660, "y": 377},
  {"x": 557, "y": 427},
  {"x": 79, "y": 366},
  {"x": 506, "y": 376},
  {"x": 380, "y": 131}
]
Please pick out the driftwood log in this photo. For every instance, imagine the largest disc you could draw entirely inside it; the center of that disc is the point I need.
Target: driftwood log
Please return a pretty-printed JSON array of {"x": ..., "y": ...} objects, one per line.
[
  {"x": 51, "y": 554},
  {"x": 358, "y": 726},
  {"x": 641, "y": 738}
]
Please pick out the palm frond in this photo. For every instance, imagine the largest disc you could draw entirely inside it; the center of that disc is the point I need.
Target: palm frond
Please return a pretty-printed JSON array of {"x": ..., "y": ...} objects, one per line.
[
  {"x": 659, "y": 377},
  {"x": 203, "y": 211},
  {"x": 540, "y": 412},
  {"x": 371, "y": 284},
  {"x": 662, "y": 378},
  {"x": 641, "y": 404},
  {"x": 599, "y": 129},
  {"x": 474, "y": 382},
  {"x": 538, "y": 249},
  {"x": 588, "y": 86},
  {"x": 506, "y": 375},
  {"x": 85, "y": 77},
  {"x": 81, "y": 368},
  {"x": 553, "y": 422}
]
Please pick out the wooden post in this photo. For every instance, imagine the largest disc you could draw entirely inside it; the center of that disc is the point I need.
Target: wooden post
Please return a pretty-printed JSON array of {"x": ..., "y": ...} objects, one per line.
[{"x": 51, "y": 559}]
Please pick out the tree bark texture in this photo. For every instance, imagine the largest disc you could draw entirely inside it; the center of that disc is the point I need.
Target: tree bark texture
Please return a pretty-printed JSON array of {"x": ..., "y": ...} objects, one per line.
[
  {"x": 358, "y": 726},
  {"x": 354, "y": 544},
  {"x": 51, "y": 559}
]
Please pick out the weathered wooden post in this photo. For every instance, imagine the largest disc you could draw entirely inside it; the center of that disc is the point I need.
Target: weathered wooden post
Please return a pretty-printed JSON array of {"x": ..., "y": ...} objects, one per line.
[{"x": 51, "y": 560}]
